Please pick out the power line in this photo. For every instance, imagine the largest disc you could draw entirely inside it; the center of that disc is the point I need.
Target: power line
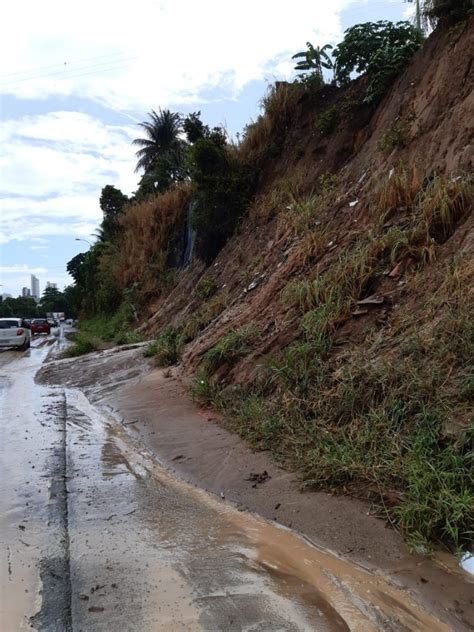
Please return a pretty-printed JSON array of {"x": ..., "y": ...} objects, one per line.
[
  {"x": 59, "y": 65},
  {"x": 75, "y": 72}
]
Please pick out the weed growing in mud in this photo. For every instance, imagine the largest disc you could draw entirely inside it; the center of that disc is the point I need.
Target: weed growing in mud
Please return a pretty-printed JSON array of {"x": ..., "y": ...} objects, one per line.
[
  {"x": 397, "y": 136},
  {"x": 235, "y": 344},
  {"x": 83, "y": 343},
  {"x": 204, "y": 391},
  {"x": 166, "y": 349}
]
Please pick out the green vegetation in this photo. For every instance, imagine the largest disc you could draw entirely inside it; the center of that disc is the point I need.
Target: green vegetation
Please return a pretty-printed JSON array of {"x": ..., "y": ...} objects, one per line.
[
  {"x": 234, "y": 345},
  {"x": 52, "y": 300},
  {"x": 375, "y": 416},
  {"x": 206, "y": 287},
  {"x": 166, "y": 349},
  {"x": 103, "y": 330},
  {"x": 378, "y": 49},
  {"x": 451, "y": 9},
  {"x": 311, "y": 64},
  {"x": 82, "y": 343},
  {"x": 397, "y": 136},
  {"x": 327, "y": 122}
]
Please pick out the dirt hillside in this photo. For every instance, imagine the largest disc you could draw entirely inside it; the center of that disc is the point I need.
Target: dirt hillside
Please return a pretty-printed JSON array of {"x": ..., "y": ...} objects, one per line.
[{"x": 335, "y": 327}]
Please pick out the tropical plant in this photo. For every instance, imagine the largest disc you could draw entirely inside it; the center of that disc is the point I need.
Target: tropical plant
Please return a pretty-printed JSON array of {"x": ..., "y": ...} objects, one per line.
[
  {"x": 313, "y": 61},
  {"x": 162, "y": 136},
  {"x": 379, "y": 49}
]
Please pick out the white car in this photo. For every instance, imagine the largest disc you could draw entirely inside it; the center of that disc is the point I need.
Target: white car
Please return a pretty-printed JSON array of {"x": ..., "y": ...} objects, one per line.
[{"x": 13, "y": 333}]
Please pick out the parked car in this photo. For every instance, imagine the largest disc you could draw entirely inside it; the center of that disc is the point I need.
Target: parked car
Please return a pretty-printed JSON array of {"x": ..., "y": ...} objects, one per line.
[
  {"x": 13, "y": 333},
  {"x": 40, "y": 326}
]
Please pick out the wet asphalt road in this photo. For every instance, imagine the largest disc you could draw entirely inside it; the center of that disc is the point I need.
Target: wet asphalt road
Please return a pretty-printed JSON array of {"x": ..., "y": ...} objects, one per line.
[{"x": 96, "y": 535}]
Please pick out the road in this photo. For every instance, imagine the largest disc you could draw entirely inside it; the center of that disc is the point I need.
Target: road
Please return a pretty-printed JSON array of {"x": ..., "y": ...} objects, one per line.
[{"x": 97, "y": 535}]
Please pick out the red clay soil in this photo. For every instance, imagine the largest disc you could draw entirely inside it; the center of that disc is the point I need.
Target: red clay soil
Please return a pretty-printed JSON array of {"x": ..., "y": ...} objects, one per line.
[{"x": 434, "y": 102}]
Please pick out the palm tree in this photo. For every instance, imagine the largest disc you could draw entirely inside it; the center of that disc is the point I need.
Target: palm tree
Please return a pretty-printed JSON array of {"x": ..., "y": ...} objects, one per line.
[{"x": 162, "y": 133}]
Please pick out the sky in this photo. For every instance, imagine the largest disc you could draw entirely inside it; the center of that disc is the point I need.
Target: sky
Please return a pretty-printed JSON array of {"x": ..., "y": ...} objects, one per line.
[{"x": 77, "y": 78}]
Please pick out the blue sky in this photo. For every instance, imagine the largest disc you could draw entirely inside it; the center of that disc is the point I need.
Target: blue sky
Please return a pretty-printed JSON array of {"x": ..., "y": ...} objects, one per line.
[{"x": 78, "y": 78}]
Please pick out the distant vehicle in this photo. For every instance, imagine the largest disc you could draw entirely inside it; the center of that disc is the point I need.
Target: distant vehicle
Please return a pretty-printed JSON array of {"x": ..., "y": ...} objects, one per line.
[
  {"x": 40, "y": 326},
  {"x": 69, "y": 321},
  {"x": 13, "y": 333}
]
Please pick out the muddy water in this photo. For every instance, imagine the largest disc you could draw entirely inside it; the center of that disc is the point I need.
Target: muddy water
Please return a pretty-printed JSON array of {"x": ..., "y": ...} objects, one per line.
[{"x": 97, "y": 535}]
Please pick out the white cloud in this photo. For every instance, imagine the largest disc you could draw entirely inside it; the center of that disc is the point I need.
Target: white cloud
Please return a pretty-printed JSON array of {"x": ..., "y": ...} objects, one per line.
[
  {"x": 154, "y": 52},
  {"x": 65, "y": 152},
  {"x": 53, "y": 168}
]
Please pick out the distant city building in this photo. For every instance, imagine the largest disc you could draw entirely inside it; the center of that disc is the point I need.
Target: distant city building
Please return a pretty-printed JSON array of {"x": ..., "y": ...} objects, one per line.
[
  {"x": 6, "y": 295},
  {"x": 35, "y": 287},
  {"x": 52, "y": 285},
  {"x": 25, "y": 291}
]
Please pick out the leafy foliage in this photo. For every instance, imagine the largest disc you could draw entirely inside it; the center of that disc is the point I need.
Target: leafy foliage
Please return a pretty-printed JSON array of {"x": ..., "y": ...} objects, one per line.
[
  {"x": 380, "y": 49},
  {"x": 311, "y": 64},
  {"x": 224, "y": 188}
]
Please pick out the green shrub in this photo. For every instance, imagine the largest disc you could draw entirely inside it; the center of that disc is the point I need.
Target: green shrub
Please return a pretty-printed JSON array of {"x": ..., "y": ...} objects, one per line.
[
  {"x": 379, "y": 49},
  {"x": 224, "y": 186},
  {"x": 168, "y": 346},
  {"x": 397, "y": 136},
  {"x": 327, "y": 122},
  {"x": 206, "y": 287},
  {"x": 83, "y": 343}
]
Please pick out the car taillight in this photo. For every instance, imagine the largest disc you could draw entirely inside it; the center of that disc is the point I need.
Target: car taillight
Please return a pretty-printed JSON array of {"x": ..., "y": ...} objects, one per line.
[{"x": 20, "y": 332}]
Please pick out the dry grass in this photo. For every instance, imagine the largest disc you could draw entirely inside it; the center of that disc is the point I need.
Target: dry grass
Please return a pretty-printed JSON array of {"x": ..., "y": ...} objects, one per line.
[
  {"x": 207, "y": 312},
  {"x": 147, "y": 228},
  {"x": 269, "y": 128}
]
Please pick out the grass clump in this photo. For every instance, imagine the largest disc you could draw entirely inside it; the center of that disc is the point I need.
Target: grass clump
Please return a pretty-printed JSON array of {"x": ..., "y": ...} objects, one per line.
[
  {"x": 82, "y": 343},
  {"x": 235, "y": 344},
  {"x": 378, "y": 418},
  {"x": 397, "y": 136},
  {"x": 207, "y": 312},
  {"x": 166, "y": 349},
  {"x": 206, "y": 287}
]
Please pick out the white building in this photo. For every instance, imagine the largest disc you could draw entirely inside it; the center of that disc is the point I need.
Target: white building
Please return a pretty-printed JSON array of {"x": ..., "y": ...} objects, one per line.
[
  {"x": 35, "y": 287},
  {"x": 52, "y": 285},
  {"x": 25, "y": 291}
]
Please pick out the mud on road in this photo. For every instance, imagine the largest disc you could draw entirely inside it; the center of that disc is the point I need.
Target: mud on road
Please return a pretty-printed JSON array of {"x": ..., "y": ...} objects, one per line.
[{"x": 125, "y": 509}]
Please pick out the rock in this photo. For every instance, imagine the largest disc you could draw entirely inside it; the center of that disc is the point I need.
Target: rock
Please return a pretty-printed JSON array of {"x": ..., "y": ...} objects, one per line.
[
  {"x": 397, "y": 271},
  {"x": 372, "y": 300}
]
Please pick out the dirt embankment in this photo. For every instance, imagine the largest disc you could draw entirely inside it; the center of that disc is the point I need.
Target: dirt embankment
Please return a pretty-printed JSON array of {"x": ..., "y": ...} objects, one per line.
[{"x": 423, "y": 126}]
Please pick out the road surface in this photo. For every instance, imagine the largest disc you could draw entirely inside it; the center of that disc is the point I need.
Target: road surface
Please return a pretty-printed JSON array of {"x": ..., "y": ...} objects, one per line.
[{"x": 97, "y": 535}]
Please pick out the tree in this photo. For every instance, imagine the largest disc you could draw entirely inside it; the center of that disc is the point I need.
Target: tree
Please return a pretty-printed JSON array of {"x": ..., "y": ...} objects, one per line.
[
  {"x": 21, "y": 307},
  {"x": 75, "y": 267},
  {"x": 313, "y": 61},
  {"x": 112, "y": 202},
  {"x": 52, "y": 301},
  {"x": 379, "y": 49},
  {"x": 162, "y": 136}
]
